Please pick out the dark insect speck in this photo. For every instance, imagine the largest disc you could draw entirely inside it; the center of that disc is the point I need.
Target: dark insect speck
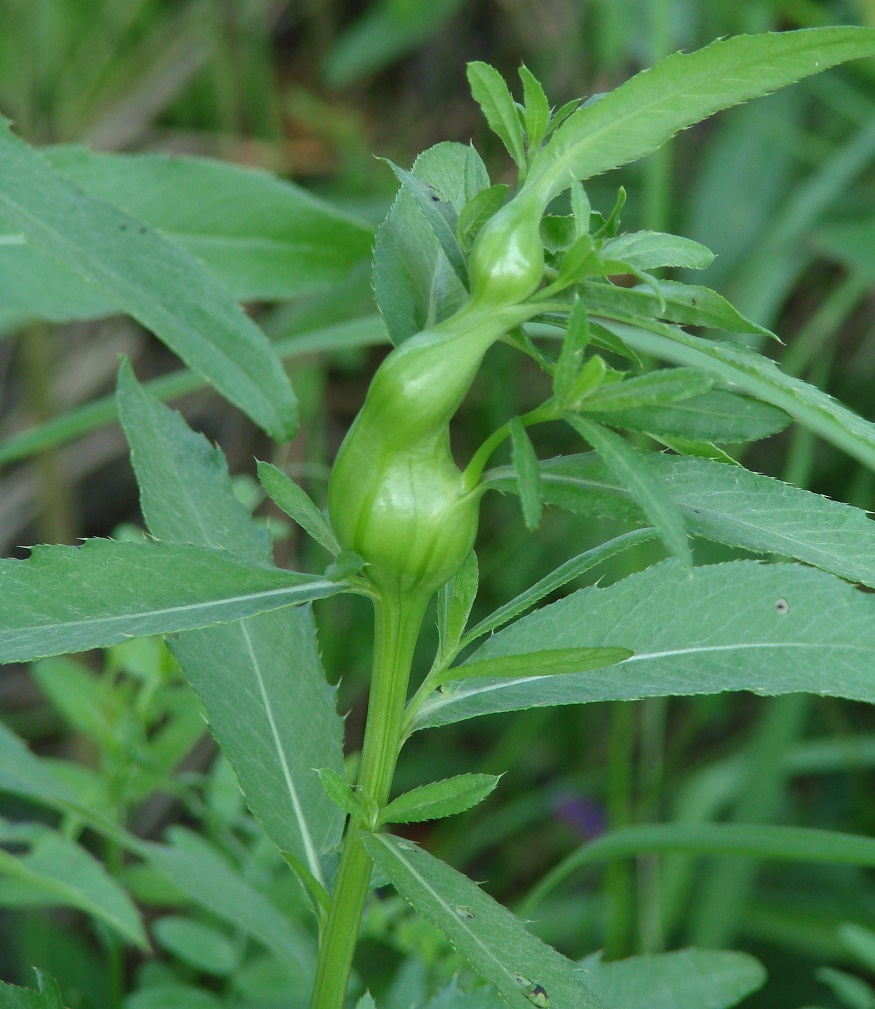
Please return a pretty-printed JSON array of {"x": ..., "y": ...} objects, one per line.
[{"x": 538, "y": 996}]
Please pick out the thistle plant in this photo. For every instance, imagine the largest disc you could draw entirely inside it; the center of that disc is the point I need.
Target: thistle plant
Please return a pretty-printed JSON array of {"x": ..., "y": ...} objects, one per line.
[{"x": 460, "y": 266}]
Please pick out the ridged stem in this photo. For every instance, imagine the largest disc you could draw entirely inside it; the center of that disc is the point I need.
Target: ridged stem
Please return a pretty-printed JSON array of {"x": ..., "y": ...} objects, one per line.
[{"x": 397, "y": 624}]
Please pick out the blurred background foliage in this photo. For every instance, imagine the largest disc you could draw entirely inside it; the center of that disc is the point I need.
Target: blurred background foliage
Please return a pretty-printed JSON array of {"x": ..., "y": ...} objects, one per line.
[{"x": 783, "y": 190}]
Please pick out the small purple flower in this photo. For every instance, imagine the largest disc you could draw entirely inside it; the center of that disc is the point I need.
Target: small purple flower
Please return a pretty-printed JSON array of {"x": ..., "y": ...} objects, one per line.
[{"x": 583, "y": 815}]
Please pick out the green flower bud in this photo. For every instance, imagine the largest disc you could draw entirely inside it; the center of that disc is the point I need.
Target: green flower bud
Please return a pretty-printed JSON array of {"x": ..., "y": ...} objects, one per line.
[{"x": 507, "y": 258}]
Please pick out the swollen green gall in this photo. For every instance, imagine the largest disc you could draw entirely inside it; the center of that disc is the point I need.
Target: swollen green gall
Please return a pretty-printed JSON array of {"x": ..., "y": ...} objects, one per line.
[
  {"x": 406, "y": 513},
  {"x": 396, "y": 496}
]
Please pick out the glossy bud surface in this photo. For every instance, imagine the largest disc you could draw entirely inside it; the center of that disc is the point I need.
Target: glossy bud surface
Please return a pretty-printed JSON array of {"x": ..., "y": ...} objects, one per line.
[{"x": 507, "y": 259}]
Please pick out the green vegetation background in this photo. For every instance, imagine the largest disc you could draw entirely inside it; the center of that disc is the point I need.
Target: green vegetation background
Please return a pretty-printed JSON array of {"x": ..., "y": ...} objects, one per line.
[{"x": 783, "y": 190}]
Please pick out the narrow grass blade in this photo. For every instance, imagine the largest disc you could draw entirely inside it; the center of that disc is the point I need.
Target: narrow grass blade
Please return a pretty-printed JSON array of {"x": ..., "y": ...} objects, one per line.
[{"x": 789, "y": 844}]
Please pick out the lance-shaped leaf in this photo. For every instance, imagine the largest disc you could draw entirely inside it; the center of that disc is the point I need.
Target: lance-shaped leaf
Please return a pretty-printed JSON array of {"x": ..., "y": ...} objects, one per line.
[
  {"x": 414, "y": 283},
  {"x": 648, "y": 250},
  {"x": 274, "y": 715},
  {"x": 643, "y": 485},
  {"x": 549, "y": 662},
  {"x": 353, "y": 801},
  {"x": 715, "y": 417},
  {"x": 769, "y": 629},
  {"x": 297, "y": 505},
  {"x": 686, "y": 979},
  {"x": 577, "y": 337},
  {"x": 537, "y": 109},
  {"x": 149, "y": 277},
  {"x": 70, "y": 599},
  {"x": 651, "y": 389},
  {"x": 489, "y": 90},
  {"x": 46, "y": 996},
  {"x": 686, "y": 304},
  {"x": 454, "y": 603},
  {"x": 57, "y": 871},
  {"x": 750, "y": 372},
  {"x": 494, "y": 941},
  {"x": 528, "y": 474},
  {"x": 728, "y": 505},
  {"x": 640, "y": 115},
  {"x": 260, "y": 680},
  {"x": 263, "y": 237},
  {"x": 178, "y": 472},
  {"x": 440, "y": 798}
]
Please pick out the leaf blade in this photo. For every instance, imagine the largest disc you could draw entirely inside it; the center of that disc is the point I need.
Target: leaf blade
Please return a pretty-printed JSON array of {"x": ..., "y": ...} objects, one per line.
[
  {"x": 733, "y": 506},
  {"x": 489, "y": 90},
  {"x": 769, "y": 629},
  {"x": 439, "y": 799},
  {"x": 547, "y": 662},
  {"x": 528, "y": 474},
  {"x": 70, "y": 599},
  {"x": 751, "y": 373},
  {"x": 492, "y": 939},
  {"x": 274, "y": 728},
  {"x": 150, "y": 278},
  {"x": 537, "y": 109},
  {"x": 297, "y": 505},
  {"x": 647, "y": 491},
  {"x": 686, "y": 979},
  {"x": 264, "y": 237},
  {"x": 640, "y": 115}
]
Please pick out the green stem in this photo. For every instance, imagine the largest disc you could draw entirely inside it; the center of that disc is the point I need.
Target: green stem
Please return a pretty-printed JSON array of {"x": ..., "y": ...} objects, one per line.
[
  {"x": 618, "y": 880},
  {"x": 545, "y": 412},
  {"x": 55, "y": 522},
  {"x": 397, "y": 624}
]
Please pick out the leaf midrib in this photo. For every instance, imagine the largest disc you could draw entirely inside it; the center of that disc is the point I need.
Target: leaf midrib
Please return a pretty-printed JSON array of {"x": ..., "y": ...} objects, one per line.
[
  {"x": 451, "y": 696},
  {"x": 307, "y": 840},
  {"x": 710, "y": 75},
  {"x": 699, "y": 509},
  {"x": 144, "y": 614}
]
